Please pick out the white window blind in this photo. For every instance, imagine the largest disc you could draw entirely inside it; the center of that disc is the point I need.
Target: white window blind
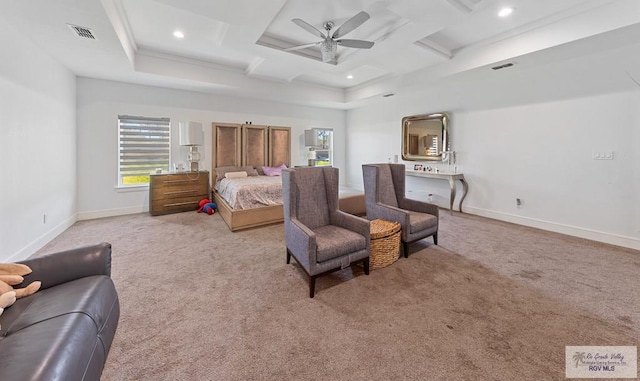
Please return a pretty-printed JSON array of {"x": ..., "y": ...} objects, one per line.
[{"x": 144, "y": 146}]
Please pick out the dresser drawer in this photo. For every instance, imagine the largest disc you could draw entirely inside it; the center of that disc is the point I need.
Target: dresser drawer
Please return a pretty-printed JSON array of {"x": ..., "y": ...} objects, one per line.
[
  {"x": 175, "y": 205},
  {"x": 169, "y": 193}
]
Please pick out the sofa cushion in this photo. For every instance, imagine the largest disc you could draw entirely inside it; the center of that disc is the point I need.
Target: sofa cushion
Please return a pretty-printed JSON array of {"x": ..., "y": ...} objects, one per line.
[{"x": 64, "y": 332}]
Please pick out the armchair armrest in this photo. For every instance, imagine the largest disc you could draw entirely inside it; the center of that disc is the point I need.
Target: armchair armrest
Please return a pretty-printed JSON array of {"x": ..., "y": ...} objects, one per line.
[
  {"x": 390, "y": 213},
  {"x": 419, "y": 206},
  {"x": 302, "y": 241},
  {"x": 353, "y": 223},
  {"x": 64, "y": 266}
]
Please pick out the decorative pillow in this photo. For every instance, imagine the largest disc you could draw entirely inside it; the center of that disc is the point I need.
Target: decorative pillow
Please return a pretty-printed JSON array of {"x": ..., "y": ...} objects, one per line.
[
  {"x": 273, "y": 171},
  {"x": 221, "y": 171},
  {"x": 235, "y": 175}
]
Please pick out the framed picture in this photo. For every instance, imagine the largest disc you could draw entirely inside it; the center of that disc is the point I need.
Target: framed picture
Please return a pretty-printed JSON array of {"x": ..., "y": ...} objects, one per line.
[{"x": 417, "y": 167}]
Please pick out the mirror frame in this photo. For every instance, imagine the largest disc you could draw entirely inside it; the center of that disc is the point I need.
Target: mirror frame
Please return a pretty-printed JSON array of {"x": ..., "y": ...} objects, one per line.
[{"x": 445, "y": 143}]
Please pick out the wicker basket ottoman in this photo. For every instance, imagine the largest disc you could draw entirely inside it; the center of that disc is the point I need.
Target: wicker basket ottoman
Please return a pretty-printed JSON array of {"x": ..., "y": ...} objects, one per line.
[{"x": 385, "y": 243}]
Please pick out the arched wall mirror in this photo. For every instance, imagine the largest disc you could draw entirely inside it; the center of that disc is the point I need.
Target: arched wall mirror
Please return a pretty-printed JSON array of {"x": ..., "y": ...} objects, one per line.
[{"x": 425, "y": 137}]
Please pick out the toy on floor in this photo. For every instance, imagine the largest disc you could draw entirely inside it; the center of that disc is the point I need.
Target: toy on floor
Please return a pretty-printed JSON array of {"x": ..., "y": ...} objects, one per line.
[
  {"x": 12, "y": 274},
  {"x": 207, "y": 206}
]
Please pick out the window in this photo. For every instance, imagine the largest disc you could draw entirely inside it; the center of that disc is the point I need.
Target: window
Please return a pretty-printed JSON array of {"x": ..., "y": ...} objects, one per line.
[
  {"x": 143, "y": 148},
  {"x": 320, "y": 142}
]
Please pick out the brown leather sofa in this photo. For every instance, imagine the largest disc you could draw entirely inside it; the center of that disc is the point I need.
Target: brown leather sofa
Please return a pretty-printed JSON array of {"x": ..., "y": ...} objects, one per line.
[{"x": 63, "y": 331}]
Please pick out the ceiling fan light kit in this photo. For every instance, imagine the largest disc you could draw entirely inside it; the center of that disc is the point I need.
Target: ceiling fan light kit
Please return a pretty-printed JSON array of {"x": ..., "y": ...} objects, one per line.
[
  {"x": 328, "y": 48},
  {"x": 329, "y": 44}
]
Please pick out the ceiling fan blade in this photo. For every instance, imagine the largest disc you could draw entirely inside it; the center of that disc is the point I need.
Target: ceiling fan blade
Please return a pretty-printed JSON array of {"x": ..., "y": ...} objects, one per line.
[
  {"x": 309, "y": 28},
  {"x": 302, "y": 46},
  {"x": 361, "y": 44},
  {"x": 351, "y": 24}
]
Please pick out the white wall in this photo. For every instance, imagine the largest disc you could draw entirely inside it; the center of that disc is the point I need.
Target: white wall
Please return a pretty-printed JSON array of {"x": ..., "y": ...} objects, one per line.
[
  {"x": 100, "y": 102},
  {"x": 37, "y": 147},
  {"x": 512, "y": 143}
]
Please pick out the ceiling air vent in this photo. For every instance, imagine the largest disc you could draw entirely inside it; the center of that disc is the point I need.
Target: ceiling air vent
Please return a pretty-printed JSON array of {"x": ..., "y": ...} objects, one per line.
[{"x": 82, "y": 31}]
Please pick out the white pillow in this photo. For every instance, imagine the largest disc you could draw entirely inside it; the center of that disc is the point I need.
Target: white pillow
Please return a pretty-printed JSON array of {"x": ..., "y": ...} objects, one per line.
[{"x": 235, "y": 175}]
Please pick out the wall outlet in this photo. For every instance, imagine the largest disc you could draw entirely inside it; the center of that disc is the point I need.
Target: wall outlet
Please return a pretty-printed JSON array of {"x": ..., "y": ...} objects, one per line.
[
  {"x": 518, "y": 202},
  {"x": 602, "y": 155},
  {"x": 44, "y": 218}
]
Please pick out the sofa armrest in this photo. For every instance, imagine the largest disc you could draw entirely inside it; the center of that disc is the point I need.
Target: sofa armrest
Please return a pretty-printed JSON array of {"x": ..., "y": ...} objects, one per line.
[{"x": 64, "y": 266}]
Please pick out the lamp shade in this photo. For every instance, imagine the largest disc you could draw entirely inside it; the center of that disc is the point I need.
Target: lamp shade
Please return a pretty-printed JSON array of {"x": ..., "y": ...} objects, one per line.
[
  {"x": 311, "y": 138},
  {"x": 191, "y": 134}
]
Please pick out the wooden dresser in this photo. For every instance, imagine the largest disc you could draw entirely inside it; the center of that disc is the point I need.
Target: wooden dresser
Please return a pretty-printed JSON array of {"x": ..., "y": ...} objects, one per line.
[{"x": 177, "y": 192}]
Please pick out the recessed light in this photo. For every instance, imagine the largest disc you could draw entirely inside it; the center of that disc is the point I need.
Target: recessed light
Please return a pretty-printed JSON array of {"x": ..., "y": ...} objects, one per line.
[
  {"x": 504, "y": 12},
  {"x": 349, "y": 76},
  {"x": 178, "y": 34}
]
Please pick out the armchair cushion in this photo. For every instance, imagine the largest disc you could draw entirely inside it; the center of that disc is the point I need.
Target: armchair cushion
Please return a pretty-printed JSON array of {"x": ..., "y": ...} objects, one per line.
[
  {"x": 334, "y": 241},
  {"x": 421, "y": 221}
]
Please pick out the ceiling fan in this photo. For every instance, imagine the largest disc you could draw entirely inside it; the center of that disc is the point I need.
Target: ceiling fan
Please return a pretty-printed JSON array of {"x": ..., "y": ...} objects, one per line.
[{"x": 330, "y": 41}]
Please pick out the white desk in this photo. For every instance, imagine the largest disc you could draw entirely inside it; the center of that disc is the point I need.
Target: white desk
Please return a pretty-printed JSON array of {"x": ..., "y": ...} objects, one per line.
[{"x": 452, "y": 177}]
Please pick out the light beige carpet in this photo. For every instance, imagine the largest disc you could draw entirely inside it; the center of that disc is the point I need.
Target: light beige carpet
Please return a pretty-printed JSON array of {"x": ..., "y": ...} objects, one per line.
[{"x": 493, "y": 301}]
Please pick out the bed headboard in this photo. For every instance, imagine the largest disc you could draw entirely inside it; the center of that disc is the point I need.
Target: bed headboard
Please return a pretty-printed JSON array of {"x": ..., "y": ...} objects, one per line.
[
  {"x": 226, "y": 145},
  {"x": 254, "y": 145},
  {"x": 279, "y": 146}
]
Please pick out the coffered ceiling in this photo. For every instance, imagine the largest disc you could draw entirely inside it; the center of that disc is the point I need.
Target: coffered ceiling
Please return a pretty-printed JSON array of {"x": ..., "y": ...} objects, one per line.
[{"x": 236, "y": 46}]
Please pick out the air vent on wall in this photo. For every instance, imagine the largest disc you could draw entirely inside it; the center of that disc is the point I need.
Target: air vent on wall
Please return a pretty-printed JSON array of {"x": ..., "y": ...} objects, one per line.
[
  {"x": 82, "y": 31},
  {"x": 503, "y": 66}
]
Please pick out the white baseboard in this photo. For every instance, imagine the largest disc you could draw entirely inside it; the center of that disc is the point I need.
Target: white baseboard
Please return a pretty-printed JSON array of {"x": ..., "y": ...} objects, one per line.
[
  {"x": 110, "y": 213},
  {"x": 613, "y": 239},
  {"x": 39, "y": 242}
]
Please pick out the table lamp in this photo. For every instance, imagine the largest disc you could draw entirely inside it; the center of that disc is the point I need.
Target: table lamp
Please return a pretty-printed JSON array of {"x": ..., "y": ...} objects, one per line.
[
  {"x": 312, "y": 156},
  {"x": 191, "y": 135}
]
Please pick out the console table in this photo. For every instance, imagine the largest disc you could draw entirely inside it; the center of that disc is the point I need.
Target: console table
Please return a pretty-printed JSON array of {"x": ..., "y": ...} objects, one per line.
[{"x": 451, "y": 177}]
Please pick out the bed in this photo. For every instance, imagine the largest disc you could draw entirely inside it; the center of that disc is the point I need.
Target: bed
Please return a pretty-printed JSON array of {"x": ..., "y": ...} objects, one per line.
[
  {"x": 249, "y": 148},
  {"x": 250, "y": 201},
  {"x": 256, "y": 200}
]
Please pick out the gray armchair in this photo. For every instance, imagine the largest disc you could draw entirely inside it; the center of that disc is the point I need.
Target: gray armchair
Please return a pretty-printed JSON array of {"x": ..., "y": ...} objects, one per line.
[
  {"x": 318, "y": 235},
  {"x": 384, "y": 188}
]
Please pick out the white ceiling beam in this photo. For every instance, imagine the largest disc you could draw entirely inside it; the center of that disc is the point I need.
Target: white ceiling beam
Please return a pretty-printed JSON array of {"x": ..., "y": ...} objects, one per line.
[
  {"x": 205, "y": 72},
  {"x": 588, "y": 24},
  {"x": 461, "y": 6},
  {"x": 117, "y": 16},
  {"x": 434, "y": 48}
]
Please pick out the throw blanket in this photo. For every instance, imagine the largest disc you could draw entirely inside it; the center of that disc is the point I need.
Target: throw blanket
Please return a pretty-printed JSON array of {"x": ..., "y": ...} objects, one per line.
[{"x": 251, "y": 192}]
